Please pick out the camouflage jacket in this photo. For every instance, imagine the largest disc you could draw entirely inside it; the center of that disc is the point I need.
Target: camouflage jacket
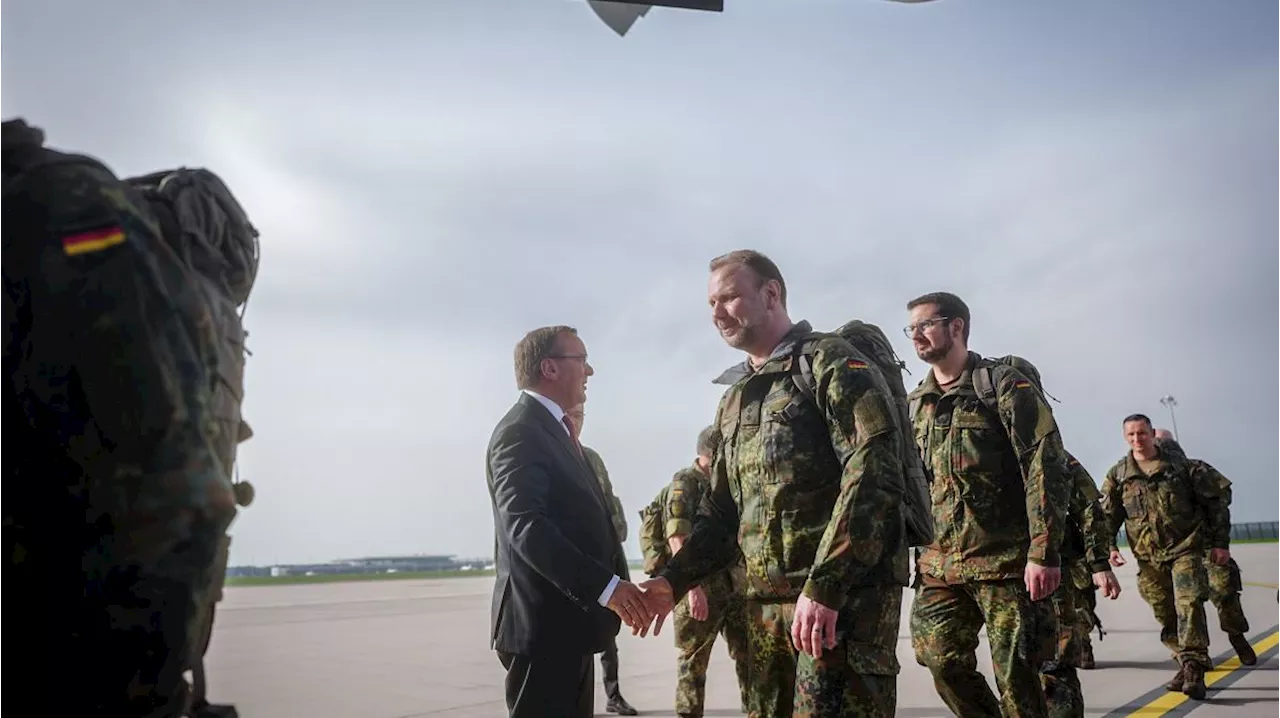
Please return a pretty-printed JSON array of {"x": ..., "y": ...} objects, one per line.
[
  {"x": 615, "y": 505},
  {"x": 1174, "y": 448},
  {"x": 1180, "y": 508},
  {"x": 110, "y": 363},
  {"x": 1088, "y": 537},
  {"x": 684, "y": 497},
  {"x": 1000, "y": 484},
  {"x": 809, "y": 491},
  {"x": 653, "y": 544}
]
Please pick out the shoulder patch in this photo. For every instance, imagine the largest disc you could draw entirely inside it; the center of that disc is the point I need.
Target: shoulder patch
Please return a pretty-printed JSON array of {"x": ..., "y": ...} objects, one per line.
[
  {"x": 856, "y": 364},
  {"x": 1021, "y": 384},
  {"x": 94, "y": 241}
]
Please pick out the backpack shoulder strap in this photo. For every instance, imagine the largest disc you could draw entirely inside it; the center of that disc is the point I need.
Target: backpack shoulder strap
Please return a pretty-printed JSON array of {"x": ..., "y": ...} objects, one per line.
[
  {"x": 985, "y": 386},
  {"x": 802, "y": 368}
]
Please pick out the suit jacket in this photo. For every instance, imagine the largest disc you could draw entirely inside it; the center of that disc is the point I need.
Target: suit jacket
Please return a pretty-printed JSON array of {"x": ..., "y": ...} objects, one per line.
[{"x": 557, "y": 549}]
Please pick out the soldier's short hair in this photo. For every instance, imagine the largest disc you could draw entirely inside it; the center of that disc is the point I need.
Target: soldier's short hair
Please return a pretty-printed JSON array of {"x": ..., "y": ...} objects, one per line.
[
  {"x": 762, "y": 266},
  {"x": 949, "y": 306},
  {"x": 708, "y": 441},
  {"x": 539, "y": 344},
  {"x": 1138, "y": 417}
]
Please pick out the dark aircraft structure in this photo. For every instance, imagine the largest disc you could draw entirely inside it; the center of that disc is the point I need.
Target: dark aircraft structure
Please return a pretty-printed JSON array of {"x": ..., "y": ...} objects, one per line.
[{"x": 620, "y": 15}]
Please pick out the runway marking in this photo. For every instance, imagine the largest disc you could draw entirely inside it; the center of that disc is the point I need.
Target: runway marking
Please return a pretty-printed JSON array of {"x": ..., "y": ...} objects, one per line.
[
  {"x": 1261, "y": 585},
  {"x": 1161, "y": 702}
]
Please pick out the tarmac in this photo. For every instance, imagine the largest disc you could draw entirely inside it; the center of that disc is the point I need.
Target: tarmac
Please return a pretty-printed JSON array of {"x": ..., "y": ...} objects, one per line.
[{"x": 411, "y": 648}]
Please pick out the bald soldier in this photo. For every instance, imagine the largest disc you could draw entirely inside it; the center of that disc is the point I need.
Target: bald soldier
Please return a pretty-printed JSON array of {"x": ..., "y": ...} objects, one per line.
[{"x": 1225, "y": 582}]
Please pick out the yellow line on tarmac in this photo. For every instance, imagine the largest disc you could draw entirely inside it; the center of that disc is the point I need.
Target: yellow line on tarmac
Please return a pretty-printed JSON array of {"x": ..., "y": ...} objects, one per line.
[
  {"x": 1261, "y": 585},
  {"x": 1171, "y": 699}
]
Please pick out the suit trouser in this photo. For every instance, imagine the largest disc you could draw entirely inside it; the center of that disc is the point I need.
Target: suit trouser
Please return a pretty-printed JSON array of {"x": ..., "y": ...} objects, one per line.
[{"x": 549, "y": 685}]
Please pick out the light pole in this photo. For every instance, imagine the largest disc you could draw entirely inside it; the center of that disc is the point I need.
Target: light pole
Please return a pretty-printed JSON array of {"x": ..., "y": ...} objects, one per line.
[{"x": 1170, "y": 402}]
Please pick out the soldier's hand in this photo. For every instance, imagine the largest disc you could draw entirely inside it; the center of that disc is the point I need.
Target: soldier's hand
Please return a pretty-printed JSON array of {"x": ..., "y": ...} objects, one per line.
[
  {"x": 1041, "y": 581},
  {"x": 660, "y": 599},
  {"x": 698, "y": 608},
  {"x": 1219, "y": 556},
  {"x": 814, "y": 627},
  {"x": 1109, "y": 584},
  {"x": 628, "y": 602},
  {"x": 1116, "y": 559}
]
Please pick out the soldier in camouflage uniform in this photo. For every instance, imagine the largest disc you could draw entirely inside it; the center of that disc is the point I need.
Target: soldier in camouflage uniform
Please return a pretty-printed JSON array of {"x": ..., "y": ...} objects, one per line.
[
  {"x": 615, "y": 703},
  {"x": 1225, "y": 582},
  {"x": 810, "y": 492},
  {"x": 1084, "y": 549},
  {"x": 1000, "y": 491},
  {"x": 115, "y": 494},
  {"x": 1172, "y": 511},
  {"x": 713, "y": 607}
]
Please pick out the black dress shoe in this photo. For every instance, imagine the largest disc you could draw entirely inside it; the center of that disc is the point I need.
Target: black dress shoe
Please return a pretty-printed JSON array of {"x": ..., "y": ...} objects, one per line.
[
  {"x": 620, "y": 706},
  {"x": 215, "y": 710}
]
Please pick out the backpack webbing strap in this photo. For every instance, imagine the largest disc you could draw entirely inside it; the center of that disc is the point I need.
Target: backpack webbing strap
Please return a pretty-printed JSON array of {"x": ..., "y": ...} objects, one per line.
[{"x": 984, "y": 386}]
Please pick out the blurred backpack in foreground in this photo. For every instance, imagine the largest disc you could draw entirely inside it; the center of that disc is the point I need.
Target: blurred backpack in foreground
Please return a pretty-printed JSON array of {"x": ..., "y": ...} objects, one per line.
[{"x": 210, "y": 232}]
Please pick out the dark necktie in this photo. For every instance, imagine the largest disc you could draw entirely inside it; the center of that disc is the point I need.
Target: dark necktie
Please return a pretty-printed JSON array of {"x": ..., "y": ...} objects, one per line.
[{"x": 569, "y": 425}]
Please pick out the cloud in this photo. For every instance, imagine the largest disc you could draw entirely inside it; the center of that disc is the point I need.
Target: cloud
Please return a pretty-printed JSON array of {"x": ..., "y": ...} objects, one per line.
[{"x": 433, "y": 181}]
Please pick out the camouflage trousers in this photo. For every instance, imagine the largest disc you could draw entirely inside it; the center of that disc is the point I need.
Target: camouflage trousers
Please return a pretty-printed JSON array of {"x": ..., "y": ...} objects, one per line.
[
  {"x": 1176, "y": 591},
  {"x": 945, "y": 621},
  {"x": 1225, "y": 585},
  {"x": 209, "y": 600},
  {"x": 856, "y": 679},
  {"x": 1062, "y": 693},
  {"x": 1086, "y": 620},
  {"x": 1085, "y": 600},
  {"x": 694, "y": 641}
]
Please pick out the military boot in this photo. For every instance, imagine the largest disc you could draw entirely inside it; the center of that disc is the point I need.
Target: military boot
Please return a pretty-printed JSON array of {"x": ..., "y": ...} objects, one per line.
[
  {"x": 1193, "y": 681},
  {"x": 1243, "y": 649},
  {"x": 619, "y": 705},
  {"x": 1178, "y": 678},
  {"x": 1086, "y": 657}
]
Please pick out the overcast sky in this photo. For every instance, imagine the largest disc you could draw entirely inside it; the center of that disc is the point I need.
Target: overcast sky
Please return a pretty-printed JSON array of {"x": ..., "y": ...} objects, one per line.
[{"x": 1097, "y": 179}]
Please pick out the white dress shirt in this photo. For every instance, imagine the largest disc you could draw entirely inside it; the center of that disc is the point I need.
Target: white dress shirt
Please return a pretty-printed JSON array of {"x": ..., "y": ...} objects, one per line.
[{"x": 558, "y": 414}]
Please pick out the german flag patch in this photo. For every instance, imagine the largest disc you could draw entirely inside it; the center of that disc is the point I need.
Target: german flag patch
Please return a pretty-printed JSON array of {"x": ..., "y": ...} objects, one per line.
[
  {"x": 95, "y": 241},
  {"x": 856, "y": 364},
  {"x": 1021, "y": 384}
]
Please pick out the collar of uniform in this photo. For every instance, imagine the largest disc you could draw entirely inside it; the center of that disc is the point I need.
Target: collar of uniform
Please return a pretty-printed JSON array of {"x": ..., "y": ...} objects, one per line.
[
  {"x": 742, "y": 370},
  {"x": 1169, "y": 462},
  {"x": 964, "y": 384}
]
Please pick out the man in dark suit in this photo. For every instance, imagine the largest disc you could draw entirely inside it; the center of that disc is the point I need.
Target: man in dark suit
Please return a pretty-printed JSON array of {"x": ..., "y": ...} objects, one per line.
[{"x": 559, "y": 595}]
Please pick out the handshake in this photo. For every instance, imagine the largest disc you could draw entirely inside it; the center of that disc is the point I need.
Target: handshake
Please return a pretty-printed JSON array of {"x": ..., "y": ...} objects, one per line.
[{"x": 639, "y": 605}]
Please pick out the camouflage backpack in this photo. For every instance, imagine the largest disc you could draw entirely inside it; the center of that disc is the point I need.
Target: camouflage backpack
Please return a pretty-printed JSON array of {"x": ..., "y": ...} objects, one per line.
[
  {"x": 653, "y": 534},
  {"x": 985, "y": 386},
  {"x": 209, "y": 231},
  {"x": 984, "y": 383},
  {"x": 873, "y": 344}
]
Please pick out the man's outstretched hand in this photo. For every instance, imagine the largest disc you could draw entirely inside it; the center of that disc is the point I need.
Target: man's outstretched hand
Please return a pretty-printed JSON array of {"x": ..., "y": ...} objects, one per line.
[
  {"x": 659, "y": 599},
  {"x": 629, "y": 603}
]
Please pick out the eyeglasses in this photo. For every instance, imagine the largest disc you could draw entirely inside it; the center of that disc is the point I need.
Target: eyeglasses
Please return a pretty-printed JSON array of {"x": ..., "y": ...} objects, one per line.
[
  {"x": 582, "y": 357},
  {"x": 924, "y": 326}
]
